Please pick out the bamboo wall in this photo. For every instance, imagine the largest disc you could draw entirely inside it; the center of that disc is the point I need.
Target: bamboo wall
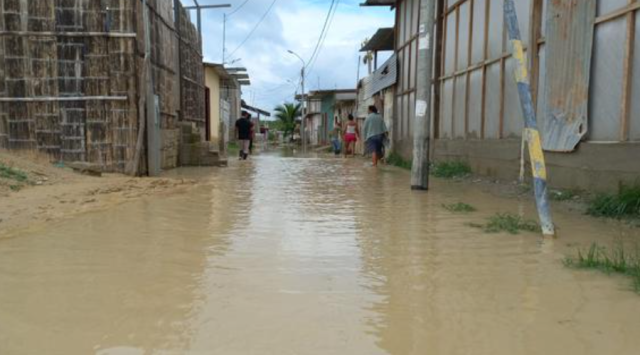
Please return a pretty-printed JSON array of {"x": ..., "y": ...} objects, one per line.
[{"x": 70, "y": 73}]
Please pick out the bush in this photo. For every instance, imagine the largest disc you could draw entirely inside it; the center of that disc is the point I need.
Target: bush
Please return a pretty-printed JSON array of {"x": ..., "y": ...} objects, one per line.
[
  {"x": 460, "y": 207},
  {"x": 396, "y": 160},
  {"x": 451, "y": 169},
  {"x": 624, "y": 204},
  {"x": 618, "y": 260},
  {"x": 507, "y": 222}
]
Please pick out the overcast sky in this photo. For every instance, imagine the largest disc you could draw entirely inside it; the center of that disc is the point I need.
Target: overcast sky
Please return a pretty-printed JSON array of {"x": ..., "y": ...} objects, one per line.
[{"x": 295, "y": 25}]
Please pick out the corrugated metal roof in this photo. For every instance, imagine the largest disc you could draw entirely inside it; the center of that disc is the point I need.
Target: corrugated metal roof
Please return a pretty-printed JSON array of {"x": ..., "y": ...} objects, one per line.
[
  {"x": 568, "y": 67},
  {"x": 391, "y": 3},
  {"x": 382, "y": 40},
  {"x": 384, "y": 77}
]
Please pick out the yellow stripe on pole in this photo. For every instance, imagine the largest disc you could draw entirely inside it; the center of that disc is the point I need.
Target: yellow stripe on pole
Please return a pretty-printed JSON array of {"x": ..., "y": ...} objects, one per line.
[
  {"x": 522, "y": 74},
  {"x": 537, "y": 157}
]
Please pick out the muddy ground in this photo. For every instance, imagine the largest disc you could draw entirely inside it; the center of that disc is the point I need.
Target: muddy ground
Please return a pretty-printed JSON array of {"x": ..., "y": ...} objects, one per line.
[{"x": 52, "y": 192}]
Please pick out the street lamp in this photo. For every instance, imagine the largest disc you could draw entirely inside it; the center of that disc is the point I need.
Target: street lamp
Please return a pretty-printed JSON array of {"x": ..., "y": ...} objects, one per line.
[{"x": 302, "y": 125}]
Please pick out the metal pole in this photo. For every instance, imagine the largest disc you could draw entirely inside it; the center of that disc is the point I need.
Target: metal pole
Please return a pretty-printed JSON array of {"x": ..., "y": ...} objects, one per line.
[
  {"x": 224, "y": 38},
  {"x": 531, "y": 132},
  {"x": 200, "y": 25},
  {"x": 153, "y": 136},
  {"x": 302, "y": 125},
  {"x": 422, "y": 119}
]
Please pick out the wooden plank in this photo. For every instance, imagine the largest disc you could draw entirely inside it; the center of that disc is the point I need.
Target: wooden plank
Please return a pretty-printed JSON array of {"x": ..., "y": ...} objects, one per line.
[
  {"x": 535, "y": 33},
  {"x": 439, "y": 59},
  {"x": 633, "y": 6},
  {"x": 627, "y": 74},
  {"x": 485, "y": 55},
  {"x": 503, "y": 83},
  {"x": 455, "y": 67},
  {"x": 467, "y": 93}
]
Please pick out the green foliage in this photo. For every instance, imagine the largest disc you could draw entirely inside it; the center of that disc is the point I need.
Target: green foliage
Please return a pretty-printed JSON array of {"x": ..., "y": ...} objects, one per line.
[
  {"x": 396, "y": 160},
  {"x": 624, "y": 204},
  {"x": 451, "y": 169},
  {"x": 564, "y": 195},
  {"x": 460, "y": 207},
  {"x": 10, "y": 173},
  {"x": 507, "y": 222},
  {"x": 286, "y": 115},
  {"x": 615, "y": 261},
  {"x": 233, "y": 147}
]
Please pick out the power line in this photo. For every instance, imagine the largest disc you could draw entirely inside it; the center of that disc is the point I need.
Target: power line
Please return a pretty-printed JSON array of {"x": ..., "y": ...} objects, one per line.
[
  {"x": 254, "y": 28},
  {"x": 324, "y": 28},
  {"x": 237, "y": 8},
  {"x": 312, "y": 62}
]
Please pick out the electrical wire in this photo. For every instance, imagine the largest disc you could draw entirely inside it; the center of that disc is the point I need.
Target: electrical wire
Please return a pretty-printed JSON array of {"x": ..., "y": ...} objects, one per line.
[
  {"x": 324, "y": 28},
  {"x": 313, "y": 60},
  {"x": 237, "y": 8},
  {"x": 254, "y": 28}
]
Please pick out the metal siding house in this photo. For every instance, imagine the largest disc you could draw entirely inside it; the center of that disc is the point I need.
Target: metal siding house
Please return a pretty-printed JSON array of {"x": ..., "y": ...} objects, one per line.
[{"x": 586, "y": 87}]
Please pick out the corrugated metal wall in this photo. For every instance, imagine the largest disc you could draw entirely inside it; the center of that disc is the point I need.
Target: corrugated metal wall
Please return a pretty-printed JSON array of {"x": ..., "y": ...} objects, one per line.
[{"x": 479, "y": 98}]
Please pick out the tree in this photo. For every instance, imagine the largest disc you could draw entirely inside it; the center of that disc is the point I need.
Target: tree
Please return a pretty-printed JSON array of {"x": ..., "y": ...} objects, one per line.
[{"x": 286, "y": 115}]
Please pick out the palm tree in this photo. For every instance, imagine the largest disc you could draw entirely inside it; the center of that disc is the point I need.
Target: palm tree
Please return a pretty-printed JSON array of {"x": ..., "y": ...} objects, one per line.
[{"x": 286, "y": 115}]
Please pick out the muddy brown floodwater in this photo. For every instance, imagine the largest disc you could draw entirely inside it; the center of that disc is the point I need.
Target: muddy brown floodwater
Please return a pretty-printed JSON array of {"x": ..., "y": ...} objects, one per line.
[{"x": 285, "y": 255}]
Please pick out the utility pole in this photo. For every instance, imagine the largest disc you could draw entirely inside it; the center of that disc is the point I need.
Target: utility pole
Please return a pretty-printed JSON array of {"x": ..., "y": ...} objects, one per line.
[
  {"x": 302, "y": 124},
  {"x": 531, "y": 132},
  {"x": 152, "y": 124},
  {"x": 422, "y": 119},
  {"x": 224, "y": 38}
]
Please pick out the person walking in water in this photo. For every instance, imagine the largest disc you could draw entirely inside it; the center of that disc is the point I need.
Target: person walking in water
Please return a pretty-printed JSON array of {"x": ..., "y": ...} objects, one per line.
[
  {"x": 375, "y": 132},
  {"x": 351, "y": 136},
  {"x": 336, "y": 134},
  {"x": 243, "y": 134}
]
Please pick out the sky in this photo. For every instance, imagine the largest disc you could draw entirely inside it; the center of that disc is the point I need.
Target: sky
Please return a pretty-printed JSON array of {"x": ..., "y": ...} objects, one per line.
[{"x": 290, "y": 25}]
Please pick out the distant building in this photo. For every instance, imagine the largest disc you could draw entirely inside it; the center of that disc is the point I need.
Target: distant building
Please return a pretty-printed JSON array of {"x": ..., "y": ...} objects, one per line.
[
  {"x": 223, "y": 92},
  {"x": 324, "y": 109},
  {"x": 584, "y": 79}
]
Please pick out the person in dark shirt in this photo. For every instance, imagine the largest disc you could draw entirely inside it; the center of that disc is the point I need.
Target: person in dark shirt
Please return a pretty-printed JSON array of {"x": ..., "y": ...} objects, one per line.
[{"x": 243, "y": 134}]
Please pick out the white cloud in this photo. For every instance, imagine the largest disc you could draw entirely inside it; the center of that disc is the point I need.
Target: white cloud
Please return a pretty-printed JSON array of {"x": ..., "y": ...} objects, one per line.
[{"x": 295, "y": 25}]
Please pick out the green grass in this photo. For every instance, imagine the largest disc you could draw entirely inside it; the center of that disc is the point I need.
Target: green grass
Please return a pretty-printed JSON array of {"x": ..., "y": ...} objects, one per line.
[
  {"x": 615, "y": 261},
  {"x": 396, "y": 160},
  {"x": 507, "y": 222},
  {"x": 564, "y": 195},
  {"x": 624, "y": 204},
  {"x": 10, "y": 173},
  {"x": 460, "y": 207},
  {"x": 233, "y": 147},
  {"x": 451, "y": 169}
]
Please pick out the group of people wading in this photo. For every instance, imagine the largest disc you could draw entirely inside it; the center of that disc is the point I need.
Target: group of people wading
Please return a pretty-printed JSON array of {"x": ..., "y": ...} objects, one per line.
[
  {"x": 374, "y": 131},
  {"x": 375, "y": 134}
]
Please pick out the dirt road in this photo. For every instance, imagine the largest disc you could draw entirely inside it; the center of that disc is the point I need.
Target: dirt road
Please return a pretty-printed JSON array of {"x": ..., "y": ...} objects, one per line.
[
  {"x": 35, "y": 192},
  {"x": 288, "y": 255}
]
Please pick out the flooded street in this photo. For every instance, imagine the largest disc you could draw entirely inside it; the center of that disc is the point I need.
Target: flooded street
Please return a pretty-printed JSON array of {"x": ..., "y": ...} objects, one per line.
[{"x": 286, "y": 255}]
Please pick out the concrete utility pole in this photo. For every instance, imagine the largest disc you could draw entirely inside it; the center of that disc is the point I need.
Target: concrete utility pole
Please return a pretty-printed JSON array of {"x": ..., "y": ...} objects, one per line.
[
  {"x": 531, "y": 132},
  {"x": 422, "y": 119},
  {"x": 303, "y": 136},
  {"x": 153, "y": 126}
]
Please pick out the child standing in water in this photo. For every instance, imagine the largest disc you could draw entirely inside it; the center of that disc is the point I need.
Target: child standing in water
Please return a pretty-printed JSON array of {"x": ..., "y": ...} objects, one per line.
[{"x": 351, "y": 136}]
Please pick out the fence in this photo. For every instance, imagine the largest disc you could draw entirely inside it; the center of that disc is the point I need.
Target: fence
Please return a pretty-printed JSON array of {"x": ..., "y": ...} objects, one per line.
[{"x": 70, "y": 76}]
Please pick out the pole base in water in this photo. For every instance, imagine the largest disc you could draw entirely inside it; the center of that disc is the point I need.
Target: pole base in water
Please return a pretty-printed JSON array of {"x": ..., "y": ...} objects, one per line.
[{"x": 419, "y": 188}]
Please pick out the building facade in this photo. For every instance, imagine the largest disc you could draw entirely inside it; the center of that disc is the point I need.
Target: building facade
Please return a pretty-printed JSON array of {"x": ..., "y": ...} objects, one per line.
[{"x": 585, "y": 83}]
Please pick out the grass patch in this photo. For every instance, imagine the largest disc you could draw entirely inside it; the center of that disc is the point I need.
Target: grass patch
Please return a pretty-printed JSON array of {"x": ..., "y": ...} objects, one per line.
[
  {"x": 451, "y": 169},
  {"x": 396, "y": 160},
  {"x": 625, "y": 204},
  {"x": 10, "y": 173},
  {"x": 233, "y": 147},
  {"x": 615, "y": 261},
  {"x": 459, "y": 207},
  {"x": 507, "y": 222},
  {"x": 564, "y": 195}
]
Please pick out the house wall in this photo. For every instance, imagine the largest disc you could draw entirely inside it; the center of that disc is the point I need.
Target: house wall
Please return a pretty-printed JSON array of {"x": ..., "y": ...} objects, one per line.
[
  {"x": 480, "y": 117},
  {"x": 71, "y": 88},
  {"x": 212, "y": 81}
]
